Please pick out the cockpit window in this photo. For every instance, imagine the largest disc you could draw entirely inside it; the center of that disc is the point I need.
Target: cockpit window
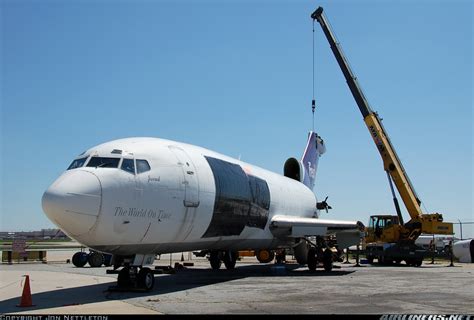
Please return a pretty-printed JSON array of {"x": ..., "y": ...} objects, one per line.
[
  {"x": 77, "y": 163},
  {"x": 103, "y": 162},
  {"x": 142, "y": 166},
  {"x": 128, "y": 165}
]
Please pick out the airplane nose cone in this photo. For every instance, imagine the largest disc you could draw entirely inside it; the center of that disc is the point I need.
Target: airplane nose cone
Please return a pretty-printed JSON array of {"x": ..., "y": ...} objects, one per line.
[{"x": 73, "y": 201}]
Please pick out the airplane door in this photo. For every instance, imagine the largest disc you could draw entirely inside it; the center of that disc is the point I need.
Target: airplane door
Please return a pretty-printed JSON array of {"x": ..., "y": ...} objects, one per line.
[{"x": 191, "y": 185}]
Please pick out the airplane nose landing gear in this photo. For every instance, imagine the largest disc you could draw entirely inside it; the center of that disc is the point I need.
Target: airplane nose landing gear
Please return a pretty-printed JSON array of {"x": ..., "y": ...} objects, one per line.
[
  {"x": 132, "y": 278},
  {"x": 124, "y": 278},
  {"x": 146, "y": 279}
]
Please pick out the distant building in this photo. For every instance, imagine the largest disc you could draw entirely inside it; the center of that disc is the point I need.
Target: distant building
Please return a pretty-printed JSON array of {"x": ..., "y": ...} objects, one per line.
[{"x": 43, "y": 234}]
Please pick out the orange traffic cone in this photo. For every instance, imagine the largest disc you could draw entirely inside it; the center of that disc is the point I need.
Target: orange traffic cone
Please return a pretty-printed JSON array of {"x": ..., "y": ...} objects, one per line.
[{"x": 26, "y": 295}]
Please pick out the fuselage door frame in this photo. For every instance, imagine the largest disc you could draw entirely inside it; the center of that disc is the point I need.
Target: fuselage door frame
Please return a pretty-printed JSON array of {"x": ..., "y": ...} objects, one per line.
[{"x": 191, "y": 182}]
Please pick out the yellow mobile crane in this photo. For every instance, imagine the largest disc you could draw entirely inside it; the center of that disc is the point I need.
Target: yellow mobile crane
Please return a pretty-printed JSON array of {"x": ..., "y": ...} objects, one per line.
[{"x": 388, "y": 238}]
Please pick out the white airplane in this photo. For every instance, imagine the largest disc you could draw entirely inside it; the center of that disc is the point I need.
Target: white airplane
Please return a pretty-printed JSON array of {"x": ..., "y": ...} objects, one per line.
[{"x": 139, "y": 197}]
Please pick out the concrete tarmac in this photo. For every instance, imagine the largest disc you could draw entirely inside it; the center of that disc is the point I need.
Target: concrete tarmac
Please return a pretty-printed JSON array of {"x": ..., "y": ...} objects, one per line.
[{"x": 61, "y": 288}]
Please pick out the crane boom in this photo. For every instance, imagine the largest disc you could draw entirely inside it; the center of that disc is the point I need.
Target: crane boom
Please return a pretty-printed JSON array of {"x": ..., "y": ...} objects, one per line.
[{"x": 427, "y": 223}]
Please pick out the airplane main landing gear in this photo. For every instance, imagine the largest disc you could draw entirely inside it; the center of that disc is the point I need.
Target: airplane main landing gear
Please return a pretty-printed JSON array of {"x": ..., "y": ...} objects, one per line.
[
  {"x": 327, "y": 259},
  {"x": 317, "y": 254},
  {"x": 94, "y": 258},
  {"x": 228, "y": 257},
  {"x": 215, "y": 260},
  {"x": 79, "y": 259},
  {"x": 312, "y": 260}
]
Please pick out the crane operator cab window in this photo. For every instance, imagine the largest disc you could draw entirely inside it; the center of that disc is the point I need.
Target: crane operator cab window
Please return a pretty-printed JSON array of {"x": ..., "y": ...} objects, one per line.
[
  {"x": 391, "y": 221},
  {"x": 379, "y": 227},
  {"x": 378, "y": 223}
]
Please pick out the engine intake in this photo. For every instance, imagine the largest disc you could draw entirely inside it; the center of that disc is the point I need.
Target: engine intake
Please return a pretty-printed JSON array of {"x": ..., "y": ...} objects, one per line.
[{"x": 293, "y": 169}]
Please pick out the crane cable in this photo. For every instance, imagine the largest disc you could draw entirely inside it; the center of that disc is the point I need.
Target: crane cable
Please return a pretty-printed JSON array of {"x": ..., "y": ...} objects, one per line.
[{"x": 313, "y": 102}]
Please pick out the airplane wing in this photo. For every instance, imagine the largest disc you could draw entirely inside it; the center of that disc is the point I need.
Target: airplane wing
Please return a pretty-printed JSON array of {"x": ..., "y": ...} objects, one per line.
[{"x": 347, "y": 232}]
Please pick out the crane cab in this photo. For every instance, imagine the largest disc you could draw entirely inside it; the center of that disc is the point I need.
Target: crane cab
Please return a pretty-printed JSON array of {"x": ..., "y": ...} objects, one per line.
[{"x": 383, "y": 228}]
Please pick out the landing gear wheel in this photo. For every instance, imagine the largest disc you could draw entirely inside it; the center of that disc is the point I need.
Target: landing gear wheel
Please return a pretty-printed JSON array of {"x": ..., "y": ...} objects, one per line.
[
  {"x": 281, "y": 256},
  {"x": 327, "y": 260},
  {"x": 265, "y": 256},
  {"x": 312, "y": 261},
  {"x": 123, "y": 279},
  {"x": 79, "y": 259},
  {"x": 107, "y": 260},
  {"x": 230, "y": 258},
  {"x": 95, "y": 259},
  {"x": 215, "y": 260},
  {"x": 146, "y": 279}
]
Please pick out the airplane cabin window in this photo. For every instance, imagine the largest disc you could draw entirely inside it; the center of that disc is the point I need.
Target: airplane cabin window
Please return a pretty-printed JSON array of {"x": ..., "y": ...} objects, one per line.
[
  {"x": 104, "y": 162},
  {"x": 142, "y": 166},
  {"x": 77, "y": 163},
  {"x": 128, "y": 165}
]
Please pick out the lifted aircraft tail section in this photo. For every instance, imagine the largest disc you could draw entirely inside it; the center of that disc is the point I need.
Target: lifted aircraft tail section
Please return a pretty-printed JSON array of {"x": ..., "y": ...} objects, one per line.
[{"x": 304, "y": 170}]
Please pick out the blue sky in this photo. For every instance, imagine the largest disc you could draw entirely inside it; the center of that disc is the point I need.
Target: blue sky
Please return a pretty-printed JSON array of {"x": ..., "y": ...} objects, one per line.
[{"x": 235, "y": 77}]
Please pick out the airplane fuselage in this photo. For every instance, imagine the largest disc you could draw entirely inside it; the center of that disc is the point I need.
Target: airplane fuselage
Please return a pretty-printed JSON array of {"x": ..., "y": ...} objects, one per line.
[{"x": 150, "y": 195}]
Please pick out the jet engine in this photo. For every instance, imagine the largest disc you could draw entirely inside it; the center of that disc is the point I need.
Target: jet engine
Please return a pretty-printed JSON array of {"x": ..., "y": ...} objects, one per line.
[{"x": 293, "y": 170}]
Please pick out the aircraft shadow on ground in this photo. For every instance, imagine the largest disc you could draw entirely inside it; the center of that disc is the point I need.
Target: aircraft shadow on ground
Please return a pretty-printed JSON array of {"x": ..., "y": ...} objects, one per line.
[{"x": 182, "y": 280}]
